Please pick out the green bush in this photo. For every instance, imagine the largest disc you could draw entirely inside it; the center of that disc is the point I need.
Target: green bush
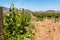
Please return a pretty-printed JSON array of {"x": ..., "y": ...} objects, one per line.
[
  {"x": 40, "y": 16},
  {"x": 17, "y": 26}
]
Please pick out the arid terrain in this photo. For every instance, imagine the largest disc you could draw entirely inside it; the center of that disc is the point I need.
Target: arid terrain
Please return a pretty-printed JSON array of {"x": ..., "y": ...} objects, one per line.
[{"x": 47, "y": 29}]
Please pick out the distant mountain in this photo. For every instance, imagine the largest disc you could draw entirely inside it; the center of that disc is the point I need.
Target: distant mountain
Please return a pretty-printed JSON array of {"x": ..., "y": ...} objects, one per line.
[
  {"x": 6, "y": 10},
  {"x": 52, "y": 11},
  {"x": 48, "y": 11},
  {"x": 38, "y": 12}
]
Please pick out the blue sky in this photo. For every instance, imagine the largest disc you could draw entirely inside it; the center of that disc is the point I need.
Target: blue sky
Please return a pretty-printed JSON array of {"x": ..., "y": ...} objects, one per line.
[{"x": 34, "y": 5}]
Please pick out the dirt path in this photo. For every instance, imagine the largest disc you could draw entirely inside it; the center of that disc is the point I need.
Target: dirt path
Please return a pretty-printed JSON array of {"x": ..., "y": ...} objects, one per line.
[{"x": 47, "y": 30}]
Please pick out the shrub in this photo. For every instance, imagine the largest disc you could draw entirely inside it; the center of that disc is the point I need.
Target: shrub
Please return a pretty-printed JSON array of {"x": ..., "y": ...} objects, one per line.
[{"x": 17, "y": 26}]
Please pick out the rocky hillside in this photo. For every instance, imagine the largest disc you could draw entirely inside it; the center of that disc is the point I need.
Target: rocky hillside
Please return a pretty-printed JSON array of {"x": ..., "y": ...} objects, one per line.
[{"x": 5, "y": 10}]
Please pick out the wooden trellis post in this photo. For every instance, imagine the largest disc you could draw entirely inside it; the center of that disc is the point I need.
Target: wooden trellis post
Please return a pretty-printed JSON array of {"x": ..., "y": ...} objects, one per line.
[{"x": 1, "y": 22}]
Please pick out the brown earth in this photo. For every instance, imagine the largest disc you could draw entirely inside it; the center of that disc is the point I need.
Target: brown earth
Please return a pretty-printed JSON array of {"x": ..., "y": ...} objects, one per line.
[{"x": 47, "y": 29}]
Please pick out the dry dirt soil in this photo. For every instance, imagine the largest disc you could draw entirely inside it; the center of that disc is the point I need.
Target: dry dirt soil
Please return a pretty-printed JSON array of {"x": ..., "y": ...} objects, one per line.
[{"x": 46, "y": 30}]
